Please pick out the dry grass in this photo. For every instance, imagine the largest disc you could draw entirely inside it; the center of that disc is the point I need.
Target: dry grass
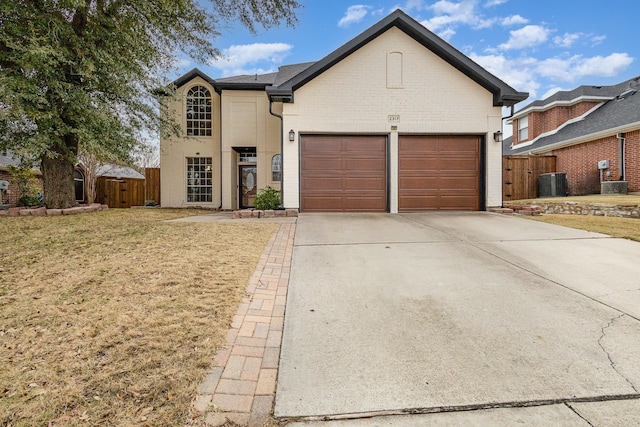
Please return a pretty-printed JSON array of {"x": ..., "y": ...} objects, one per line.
[
  {"x": 627, "y": 228},
  {"x": 594, "y": 198},
  {"x": 113, "y": 318}
]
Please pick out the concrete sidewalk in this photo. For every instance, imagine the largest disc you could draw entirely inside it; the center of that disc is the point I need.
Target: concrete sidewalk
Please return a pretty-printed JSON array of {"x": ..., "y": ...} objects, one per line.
[{"x": 469, "y": 318}]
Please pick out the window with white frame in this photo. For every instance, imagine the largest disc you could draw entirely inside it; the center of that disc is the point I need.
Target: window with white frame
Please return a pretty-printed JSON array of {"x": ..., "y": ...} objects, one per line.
[
  {"x": 276, "y": 168},
  {"x": 199, "y": 111},
  {"x": 523, "y": 128},
  {"x": 199, "y": 179}
]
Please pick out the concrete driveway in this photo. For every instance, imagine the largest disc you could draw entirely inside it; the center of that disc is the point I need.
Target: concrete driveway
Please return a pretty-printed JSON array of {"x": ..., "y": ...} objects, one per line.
[{"x": 458, "y": 312}]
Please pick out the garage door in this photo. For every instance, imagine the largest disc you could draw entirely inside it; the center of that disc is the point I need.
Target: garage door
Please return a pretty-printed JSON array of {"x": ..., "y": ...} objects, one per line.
[
  {"x": 343, "y": 173},
  {"x": 438, "y": 172}
]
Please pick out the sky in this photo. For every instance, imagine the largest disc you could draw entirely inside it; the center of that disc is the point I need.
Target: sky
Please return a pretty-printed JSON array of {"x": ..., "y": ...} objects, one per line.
[{"x": 535, "y": 46}]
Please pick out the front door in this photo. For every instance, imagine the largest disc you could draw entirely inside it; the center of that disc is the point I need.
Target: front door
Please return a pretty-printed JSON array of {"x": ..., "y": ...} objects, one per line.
[{"x": 247, "y": 186}]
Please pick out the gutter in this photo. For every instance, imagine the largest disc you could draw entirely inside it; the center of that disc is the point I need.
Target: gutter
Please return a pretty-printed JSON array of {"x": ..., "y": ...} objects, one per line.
[{"x": 281, "y": 151}]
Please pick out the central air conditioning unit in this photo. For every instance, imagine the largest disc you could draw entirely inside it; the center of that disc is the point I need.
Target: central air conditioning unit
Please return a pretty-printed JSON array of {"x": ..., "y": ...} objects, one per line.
[{"x": 552, "y": 184}]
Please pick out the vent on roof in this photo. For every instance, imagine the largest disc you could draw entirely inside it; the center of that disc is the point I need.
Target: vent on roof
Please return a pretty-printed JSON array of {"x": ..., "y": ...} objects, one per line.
[{"x": 626, "y": 93}]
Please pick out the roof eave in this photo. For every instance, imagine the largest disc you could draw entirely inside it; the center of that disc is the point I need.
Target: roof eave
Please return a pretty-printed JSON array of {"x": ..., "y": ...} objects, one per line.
[{"x": 276, "y": 94}]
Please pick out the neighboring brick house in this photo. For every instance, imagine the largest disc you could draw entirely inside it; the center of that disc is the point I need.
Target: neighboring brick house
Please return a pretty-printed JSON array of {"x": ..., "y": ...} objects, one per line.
[
  {"x": 394, "y": 120},
  {"x": 11, "y": 196},
  {"x": 581, "y": 127}
]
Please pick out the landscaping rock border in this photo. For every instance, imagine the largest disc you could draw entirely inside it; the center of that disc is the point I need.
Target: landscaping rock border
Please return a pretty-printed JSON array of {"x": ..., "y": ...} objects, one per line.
[
  {"x": 575, "y": 208},
  {"x": 257, "y": 213},
  {"x": 43, "y": 211}
]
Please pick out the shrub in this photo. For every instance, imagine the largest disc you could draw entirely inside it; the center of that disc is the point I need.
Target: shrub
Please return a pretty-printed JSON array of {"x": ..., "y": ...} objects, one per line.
[
  {"x": 28, "y": 188},
  {"x": 268, "y": 198}
]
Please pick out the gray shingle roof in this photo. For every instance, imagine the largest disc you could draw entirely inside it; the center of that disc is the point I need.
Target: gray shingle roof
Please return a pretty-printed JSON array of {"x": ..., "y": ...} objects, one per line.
[
  {"x": 618, "y": 114},
  {"x": 584, "y": 91}
]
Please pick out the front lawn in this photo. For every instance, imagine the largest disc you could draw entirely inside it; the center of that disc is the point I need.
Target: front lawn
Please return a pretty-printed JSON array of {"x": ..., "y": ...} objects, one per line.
[
  {"x": 627, "y": 228},
  {"x": 113, "y": 318}
]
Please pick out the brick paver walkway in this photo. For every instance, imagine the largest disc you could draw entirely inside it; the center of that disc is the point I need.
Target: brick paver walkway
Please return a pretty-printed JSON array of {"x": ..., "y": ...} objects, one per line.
[{"x": 241, "y": 386}]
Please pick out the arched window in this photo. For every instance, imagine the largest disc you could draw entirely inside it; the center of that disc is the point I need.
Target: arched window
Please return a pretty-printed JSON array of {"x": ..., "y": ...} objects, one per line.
[
  {"x": 199, "y": 111},
  {"x": 78, "y": 181},
  {"x": 276, "y": 168}
]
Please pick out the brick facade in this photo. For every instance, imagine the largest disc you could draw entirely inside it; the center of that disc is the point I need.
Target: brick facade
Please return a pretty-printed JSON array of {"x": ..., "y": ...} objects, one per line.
[
  {"x": 580, "y": 163},
  {"x": 11, "y": 196},
  {"x": 545, "y": 121}
]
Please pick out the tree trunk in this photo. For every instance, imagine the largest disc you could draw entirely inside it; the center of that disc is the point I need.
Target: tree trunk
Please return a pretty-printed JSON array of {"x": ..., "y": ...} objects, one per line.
[{"x": 59, "y": 190}]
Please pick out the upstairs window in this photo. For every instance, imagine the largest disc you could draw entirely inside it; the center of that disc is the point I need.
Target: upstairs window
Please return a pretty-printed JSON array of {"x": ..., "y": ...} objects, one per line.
[
  {"x": 523, "y": 128},
  {"x": 276, "y": 168},
  {"x": 199, "y": 111}
]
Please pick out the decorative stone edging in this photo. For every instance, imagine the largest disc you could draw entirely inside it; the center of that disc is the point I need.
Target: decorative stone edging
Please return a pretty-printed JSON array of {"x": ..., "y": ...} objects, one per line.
[
  {"x": 577, "y": 208},
  {"x": 256, "y": 213},
  {"x": 43, "y": 211}
]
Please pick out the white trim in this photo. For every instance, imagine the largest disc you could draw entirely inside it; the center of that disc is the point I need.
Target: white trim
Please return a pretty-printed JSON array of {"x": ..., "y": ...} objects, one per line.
[
  {"x": 556, "y": 130},
  {"x": 545, "y": 107},
  {"x": 586, "y": 138}
]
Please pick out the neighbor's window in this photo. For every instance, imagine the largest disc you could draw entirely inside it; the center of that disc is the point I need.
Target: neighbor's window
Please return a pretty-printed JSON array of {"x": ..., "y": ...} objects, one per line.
[
  {"x": 199, "y": 111},
  {"x": 523, "y": 128},
  {"x": 276, "y": 168},
  {"x": 199, "y": 179},
  {"x": 78, "y": 181}
]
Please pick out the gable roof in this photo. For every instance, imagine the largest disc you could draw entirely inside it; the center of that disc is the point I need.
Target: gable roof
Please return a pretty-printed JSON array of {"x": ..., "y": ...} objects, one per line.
[
  {"x": 503, "y": 94},
  {"x": 620, "y": 113},
  {"x": 281, "y": 85}
]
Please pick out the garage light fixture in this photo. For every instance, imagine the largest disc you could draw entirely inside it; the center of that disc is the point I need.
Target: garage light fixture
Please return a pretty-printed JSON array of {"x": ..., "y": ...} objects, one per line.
[
  {"x": 292, "y": 135},
  {"x": 497, "y": 136}
]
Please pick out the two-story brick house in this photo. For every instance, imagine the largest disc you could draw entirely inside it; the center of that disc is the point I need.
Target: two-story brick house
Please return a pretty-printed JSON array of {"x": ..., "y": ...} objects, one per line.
[
  {"x": 582, "y": 127},
  {"x": 394, "y": 120}
]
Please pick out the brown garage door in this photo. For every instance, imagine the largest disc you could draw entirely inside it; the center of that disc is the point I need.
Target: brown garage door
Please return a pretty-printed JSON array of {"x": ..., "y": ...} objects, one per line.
[
  {"x": 343, "y": 173},
  {"x": 438, "y": 172}
]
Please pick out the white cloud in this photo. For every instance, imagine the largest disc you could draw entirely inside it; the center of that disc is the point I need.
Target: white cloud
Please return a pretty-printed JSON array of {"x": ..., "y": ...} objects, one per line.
[
  {"x": 449, "y": 14},
  {"x": 595, "y": 40},
  {"x": 567, "y": 39},
  {"x": 244, "y": 59},
  {"x": 527, "y": 36},
  {"x": 516, "y": 73},
  {"x": 182, "y": 63},
  {"x": 524, "y": 73},
  {"x": 513, "y": 20},
  {"x": 354, "y": 15},
  {"x": 413, "y": 5},
  {"x": 447, "y": 34},
  {"x": 491, "y": 3}
]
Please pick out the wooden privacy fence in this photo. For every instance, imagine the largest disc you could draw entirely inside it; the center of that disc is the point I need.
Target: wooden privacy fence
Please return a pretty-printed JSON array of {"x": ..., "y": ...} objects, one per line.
[
  {"x": 127, "y": 192},
  {"x": 120, "y": 192},
  {"x": 520, "y": 175},
  {"x": 152, "y": 184}
]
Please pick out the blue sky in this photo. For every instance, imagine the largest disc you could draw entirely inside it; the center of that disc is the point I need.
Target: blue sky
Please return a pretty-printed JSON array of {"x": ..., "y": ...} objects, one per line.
[{"x": 536, "y": 46}]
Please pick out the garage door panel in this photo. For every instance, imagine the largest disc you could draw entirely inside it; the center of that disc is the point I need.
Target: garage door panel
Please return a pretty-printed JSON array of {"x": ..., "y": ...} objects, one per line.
[
  {"x": 323, "y": 144},
  {"x": 322, "y": 183},
  {"x": 467, "y": 184},
  {"x": 322, "y": 164},
  {"x": 438, "y": 172},
  {"x": 357, "y": 184},
  {"x": 341, "y": 173},
  {"x": 418, "y": 164},
  {"x": 368, "y": 165},
  {"x": 417, "y": 183}
]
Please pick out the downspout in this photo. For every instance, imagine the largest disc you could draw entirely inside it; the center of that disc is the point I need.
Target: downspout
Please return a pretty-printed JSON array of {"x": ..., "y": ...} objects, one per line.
[
  {"x": 621, "y": 157},
  {"x": 220, "y": 179},
  {"x": 281, "y": 152}
]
